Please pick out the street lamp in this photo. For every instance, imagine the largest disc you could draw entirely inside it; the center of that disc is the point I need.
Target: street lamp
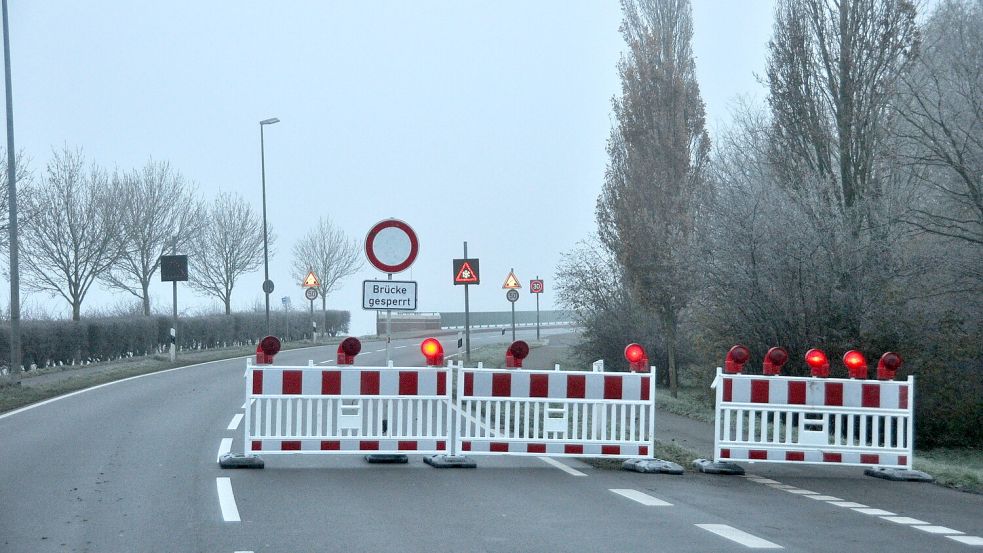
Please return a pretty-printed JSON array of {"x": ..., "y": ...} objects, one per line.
[{"x": 267, "y": 284}]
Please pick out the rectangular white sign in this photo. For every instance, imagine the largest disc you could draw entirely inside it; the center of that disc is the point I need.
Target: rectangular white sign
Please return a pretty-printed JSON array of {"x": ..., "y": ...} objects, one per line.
[{"x": 399, "y": 295}]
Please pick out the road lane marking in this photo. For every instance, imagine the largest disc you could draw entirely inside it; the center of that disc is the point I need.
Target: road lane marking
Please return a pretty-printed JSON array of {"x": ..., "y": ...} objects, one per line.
[
  {"x": 764, "y": 481},
  {"x": 848, "y": 504},
  {"x": 782, "y": 487},
  {"x": 905, "y": 520},
  {"x": 968, "y": 540},
  {"x": 937, "y": 529},
  {"x": 875, "y": 512},
  {"x": 561, "y": 466},
  {"x": 738, "y": 536},
  {"x": 223, "y": 448},
  {"x": 826, "y": 498},
  {"x": 326, "y": 362},
  {"x": 226, "y": 500},
  {"x": 235, "y": 422},
  {"x": 799, "y": 491},
  {"x": 642, "y": 498},
  {"x": 400, "y": 347},
  {"x": 247, "y": 403}
]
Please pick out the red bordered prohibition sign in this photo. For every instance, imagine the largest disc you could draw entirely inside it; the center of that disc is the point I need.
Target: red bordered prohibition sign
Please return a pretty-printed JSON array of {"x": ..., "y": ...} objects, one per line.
[{"x": 391, "y": 246}]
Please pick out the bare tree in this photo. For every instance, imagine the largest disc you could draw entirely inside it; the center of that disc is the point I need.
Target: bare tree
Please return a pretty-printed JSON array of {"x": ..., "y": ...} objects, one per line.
[
  {"x": 23, "y": 183},
  {"x": 658, "y": 153},
  {"x": 72, "y": 239},
  {"x": 229, "y": 246},
  {"x": 162, "y": 216},
  {"x": 332, "y": 256}
]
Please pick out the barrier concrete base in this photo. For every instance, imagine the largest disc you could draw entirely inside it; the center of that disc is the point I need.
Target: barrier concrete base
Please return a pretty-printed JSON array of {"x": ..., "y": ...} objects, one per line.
[
  {"x": 450, "y": 462},
  {"x": 650, "y": 466},
  {"x": 387, "y": 458},
  {"x": 240, "y": 461},
  {"x": 717, "y": 467},
  {"x": 899, "y": 475}
]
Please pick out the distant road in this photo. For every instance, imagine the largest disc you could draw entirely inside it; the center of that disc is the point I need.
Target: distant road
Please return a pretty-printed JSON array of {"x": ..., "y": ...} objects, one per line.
[{"x": 131, "y": 467}]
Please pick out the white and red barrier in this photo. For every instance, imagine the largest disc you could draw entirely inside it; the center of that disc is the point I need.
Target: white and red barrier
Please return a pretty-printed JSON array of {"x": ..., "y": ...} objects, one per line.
[
  {"x": 783, "y": 419},
  {"x": 347, "y": 409},
  {"x": 555, "y": 413}
]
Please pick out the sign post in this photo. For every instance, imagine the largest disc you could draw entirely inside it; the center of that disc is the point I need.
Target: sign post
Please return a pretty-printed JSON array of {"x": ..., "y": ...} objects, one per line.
[
  {"x": 174, "y": 268},
  {"x": 311, "y": 294},
  {"x": 391, "y": 246},
  {"x": 512, "y": 285},
  {"x": 536, "y": 287},
  {"x": 466, "y": 273}
]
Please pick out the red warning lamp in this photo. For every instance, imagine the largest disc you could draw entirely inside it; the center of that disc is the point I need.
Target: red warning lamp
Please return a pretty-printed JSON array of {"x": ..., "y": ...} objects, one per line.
[
  {"x": 855, "y": 363},
  {"x": 517, "y": 351},
  {"x": 818, "y": 363},
  {"x": 433, "y": 351},
  {"x": 887, "y": 367},
  {"x": 348, "y": 349},
  {"x": 775, "y": 359},
  {"x": 266, "y": 349},
  {"x": 736, "y": 358},
  {"x": 638, "y": 360}
]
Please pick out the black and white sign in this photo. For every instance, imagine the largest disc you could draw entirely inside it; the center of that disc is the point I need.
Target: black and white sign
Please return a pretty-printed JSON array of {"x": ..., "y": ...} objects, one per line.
[
  {"x": 391, "y": 246},
  {"x": 512, "y": 296},
  {"x": 268, "y": 286},
  {"x": 173, "y": 268},
  {"x": 389, "y": 294},
  {"x": 311, "y": 294}
]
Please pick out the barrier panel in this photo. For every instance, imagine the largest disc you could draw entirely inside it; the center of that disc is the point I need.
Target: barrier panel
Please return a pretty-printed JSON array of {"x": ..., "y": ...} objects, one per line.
[
  {"x": 346, "y": 409},
  {"x": 784, "y": 419},
  {"x": 555, "y": 413}
]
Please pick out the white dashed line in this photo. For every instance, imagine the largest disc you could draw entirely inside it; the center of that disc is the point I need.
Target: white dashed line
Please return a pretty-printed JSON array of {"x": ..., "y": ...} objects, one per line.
[
  {"x": 782, "y": 487},
  {"x": 739, "y": 536},
  {"x": 642, "y": 498},
  {"x": 799, "y": 491},
  {"x": 937, "y": 529},
  {"x": 226, "y": 500},
  {"x": 562, "y": 466},
  {"x": 968, "y": 540},
  {"x": 400, "y": 347},
  {"x": 223, "y": 448},
  {"x": 326, "y": 362},
  {"x": 875, "y": 512},
  {"x": 905, "y": 520},
  {"x": 764, "y": 481},
  {"x": 848, "y": 504},
  {"x": 823, "y": 497},
  {"x": 234, "y": 424}
]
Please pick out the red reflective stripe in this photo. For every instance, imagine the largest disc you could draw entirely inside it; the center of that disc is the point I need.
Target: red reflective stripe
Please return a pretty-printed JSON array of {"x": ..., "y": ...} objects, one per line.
[
  {"x": 406, "y": 446},
  {"x": 469, "y": 384},
  {"x": 501, "y": 385},
  {"x": 368, "y": 445},
  {"x": 292, "y": 382},
  {"x": 441, "y": 445},
  {"x": 728, "y": 389},
  {"x": 370, "y": 383},
  {"x": 645, "y": 390},
  {"x": 331, "y": 383},
  {"x": 573, "y": 449},
  {"x": 871, "y": 395},
  {"x": 257, "y": 381},
  {"x": 834, "y": 394},
  {"x": 465, "y": 446},
  {"x": 795, "y": 455},
  {"x": 643, "y": 450},
  {"x": 758, "y": 454},
  {"x": 725, "y": 454},
  {"x": 576, "y": 387},
  {"x": 500, "y": 447},
  {"x": 441, "y": 383},
  {"x": 290, "y": 445},
  {"x": 536, "y": 448},
  {"x": 832, "y": 457},
  {"x": 902, "y": 459},
  {"x": 870, "y": 459},
  {"x": 330, "y": 445},
  {"x": 759, "y": 391},
  {"x": 539, "y": 385},
  {"x": 797, "y": 394},
  {"x": 612, "y": 387},
  {"x": 902, "y": 398},
  {"x": 257, "y": 445},
  {"x": 610, "y": 450},
  {"x": 408, "y": 383}
]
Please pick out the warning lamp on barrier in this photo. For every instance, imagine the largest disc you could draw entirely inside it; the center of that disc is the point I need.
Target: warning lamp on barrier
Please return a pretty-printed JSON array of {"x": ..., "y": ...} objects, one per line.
[
  {"x": 856, "y": 364},
  {"x": 887, "y": 367},
  {"x": 517, "y": 351},
  {"x": 736, "y": 358},
  {"x": 266, "y": 349},
  {"x": 348, "y": 349},
  {"x": 774, "y": 361},
  {"x": 433, "y": 351},
  {"x": 818, "y": 363},
  {"x": 638, "y": 360}
]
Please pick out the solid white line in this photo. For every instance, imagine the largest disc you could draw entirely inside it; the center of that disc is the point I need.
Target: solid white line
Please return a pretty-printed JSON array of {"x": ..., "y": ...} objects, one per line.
[
  {"x": 400, "y": 347},
  {"x": 905, "y": 520},
  {"x": 968, "y": 540},
  {"x": 235, "y": 422},
  {"x": 937, "y": 529},
  {"x": 642, "y": 498},
  {"x": 326, "y": 362},
  {"x": 875, "y": 512},
  {"x": 230, "y": 513},
  {"x": 561, "y": 466},
  {"x": 223, "y": 448},
  {"x": 738, "y": 536}
]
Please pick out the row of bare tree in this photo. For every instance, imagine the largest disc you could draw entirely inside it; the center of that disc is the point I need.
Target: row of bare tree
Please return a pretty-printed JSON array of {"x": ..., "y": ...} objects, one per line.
[
  {"x": 848, "y": 212},
  {"x": 82, "y": 224}
]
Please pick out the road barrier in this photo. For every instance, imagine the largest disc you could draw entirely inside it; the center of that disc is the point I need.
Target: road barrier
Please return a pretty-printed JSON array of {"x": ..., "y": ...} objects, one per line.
[{"x": 784, "y": 419}]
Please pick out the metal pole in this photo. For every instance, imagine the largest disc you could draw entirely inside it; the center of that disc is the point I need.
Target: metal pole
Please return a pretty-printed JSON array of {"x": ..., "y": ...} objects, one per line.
[
  {"x": 389, "y": 331},
  {"x": 15, "y": 353},
  {"x": 467, "y": 316},
  {"x": 513, "y": 320},
  {"x": 174, "y": 325},
  {"x": 313, "y": 323},
  {"x": 266, "y": 253},
  {"x": 537, "y": 313}
]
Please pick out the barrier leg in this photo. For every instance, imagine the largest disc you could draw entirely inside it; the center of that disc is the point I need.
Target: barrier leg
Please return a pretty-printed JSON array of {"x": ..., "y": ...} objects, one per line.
[
  {"x": 453, "y": 460},
  {"x": 651, "y": 465},
  {"x": 244, "y": 460}
]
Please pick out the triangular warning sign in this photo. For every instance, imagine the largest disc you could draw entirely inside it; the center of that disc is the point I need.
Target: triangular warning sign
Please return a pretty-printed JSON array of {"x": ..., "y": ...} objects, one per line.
[
  {"x": 466, "y": 275},
  {"x": 511, "y": 281},
  {"x": 311, "y": 281}
]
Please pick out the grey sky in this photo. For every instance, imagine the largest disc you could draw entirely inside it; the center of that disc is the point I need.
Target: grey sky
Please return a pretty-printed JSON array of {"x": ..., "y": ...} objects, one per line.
[{"x": 483, "y": 122}]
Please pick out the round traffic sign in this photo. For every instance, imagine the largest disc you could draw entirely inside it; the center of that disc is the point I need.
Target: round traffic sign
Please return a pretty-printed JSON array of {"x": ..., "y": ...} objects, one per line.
[
  {"x": 391, "y": 246},
  {"x": 311, "y": 294},
  {"x": 268, "y": 286},
  {"x": 512, "y": 295}
]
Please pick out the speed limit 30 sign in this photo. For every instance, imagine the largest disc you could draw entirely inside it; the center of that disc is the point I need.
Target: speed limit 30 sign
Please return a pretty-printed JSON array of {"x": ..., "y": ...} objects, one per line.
[{"x": 536, "y": 286}]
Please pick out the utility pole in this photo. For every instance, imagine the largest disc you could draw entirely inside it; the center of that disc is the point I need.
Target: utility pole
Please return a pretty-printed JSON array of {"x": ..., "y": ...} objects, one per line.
[{"x": 15, "y": 353}]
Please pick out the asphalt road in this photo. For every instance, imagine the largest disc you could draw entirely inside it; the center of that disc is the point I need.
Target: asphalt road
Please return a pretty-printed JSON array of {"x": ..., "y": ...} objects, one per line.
[{"x": 131, "y": 467}]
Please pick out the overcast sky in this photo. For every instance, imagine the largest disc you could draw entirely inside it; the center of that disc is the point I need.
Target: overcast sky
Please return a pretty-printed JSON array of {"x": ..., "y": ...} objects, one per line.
[{"x": 483, "y": 122}]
